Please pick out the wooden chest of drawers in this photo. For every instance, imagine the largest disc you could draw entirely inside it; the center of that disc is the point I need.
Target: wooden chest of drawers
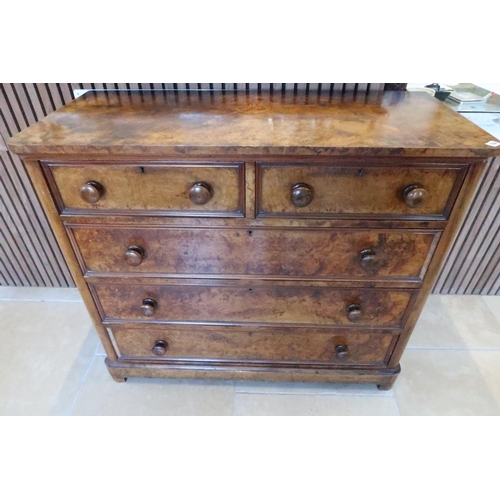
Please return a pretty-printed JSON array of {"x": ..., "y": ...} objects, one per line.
[{"x": 254, "y": 236}]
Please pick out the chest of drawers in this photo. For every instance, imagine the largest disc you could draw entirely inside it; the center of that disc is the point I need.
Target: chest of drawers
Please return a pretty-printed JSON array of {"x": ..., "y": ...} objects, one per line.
[{"x": 254, "y": 236}]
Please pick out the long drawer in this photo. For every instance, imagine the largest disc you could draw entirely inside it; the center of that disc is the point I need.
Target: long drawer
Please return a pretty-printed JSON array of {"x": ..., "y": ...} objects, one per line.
[
  {"x": 367, "y": 190},
  {"x": 297, "y": 253},
  {"x": 193, "y": 189},
  {"x": 198, "y": 343},
  {"x": 229, "y": 304}
]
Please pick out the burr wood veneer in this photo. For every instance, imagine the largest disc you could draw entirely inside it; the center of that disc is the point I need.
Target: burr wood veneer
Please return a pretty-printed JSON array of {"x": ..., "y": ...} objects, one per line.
[{"x": 254, "y": 236}]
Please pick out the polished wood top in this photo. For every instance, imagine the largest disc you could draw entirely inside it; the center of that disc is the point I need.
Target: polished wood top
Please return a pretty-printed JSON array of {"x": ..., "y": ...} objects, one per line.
[{"x": 178, "y": 123}]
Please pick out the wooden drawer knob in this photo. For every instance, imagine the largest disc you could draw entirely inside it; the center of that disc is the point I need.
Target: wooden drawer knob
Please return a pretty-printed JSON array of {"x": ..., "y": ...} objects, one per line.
[
  {"x": 134, "y": 255},
  {"x": 160, "y": 348},
  {"x": 369, "y": 260},
  {"x": 91, "y": 192},
  {"x": 354, "y": 313},
  {"x": 415, "y": 196},
  {"x": 200, "y": 193},
  {"x": 301, "y": 195},
  {"x": 148, "y": 307},
  {"x": 341, "y": 352}
]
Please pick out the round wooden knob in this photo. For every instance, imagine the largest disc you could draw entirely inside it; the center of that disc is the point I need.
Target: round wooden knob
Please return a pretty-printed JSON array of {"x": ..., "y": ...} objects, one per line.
[
  {"x": 160, "y": 348},
  {"x": 341, "y": 352},
  {"x": 368, "y": 259},
  {"x": 200, "y": 193},
  {"x": 415, "y": 195},
  {"x": 354, "y": 313},
  {"x": 91, "y": 192},
  {"x": 301, "y": 195},
  {"x": 134, "y": 256},
  {"x": 148, "y": 307}
]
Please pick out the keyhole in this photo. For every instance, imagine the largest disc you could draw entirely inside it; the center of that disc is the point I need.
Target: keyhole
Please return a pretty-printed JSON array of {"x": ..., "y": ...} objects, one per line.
[
  {"x": 142, "y": 170},
  {"x": 360, "y": 172},
  {"x": 250, "y": 290},
  {"x": 249, "y": 233}
]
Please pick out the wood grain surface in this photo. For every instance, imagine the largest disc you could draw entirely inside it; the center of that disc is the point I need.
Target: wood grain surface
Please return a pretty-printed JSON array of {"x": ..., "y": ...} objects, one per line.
[
  {"x": 156, "y": 187},
  {"x": 274, "y": 345},
  {"x": 264, "y": 305},
  {"x": 220, "y": 123},
  {"x": 296, "y": 253},
  {"x": 361, "y": 190},
  {"x": 315, "y": 265}
]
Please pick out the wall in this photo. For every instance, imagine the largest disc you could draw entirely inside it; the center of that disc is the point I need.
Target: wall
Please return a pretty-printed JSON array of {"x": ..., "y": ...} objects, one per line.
[{"x": 30, "y": 256}]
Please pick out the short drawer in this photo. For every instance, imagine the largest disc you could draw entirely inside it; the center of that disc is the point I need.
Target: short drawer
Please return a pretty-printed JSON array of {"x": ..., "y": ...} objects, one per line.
[
  {"x": 297, "y": 253},
  {"x": 368, "y": 191},
  {"x": 152, "y": 188},
  {"x": 228, "y": 304},
  {"x": 200, "y": 343}
]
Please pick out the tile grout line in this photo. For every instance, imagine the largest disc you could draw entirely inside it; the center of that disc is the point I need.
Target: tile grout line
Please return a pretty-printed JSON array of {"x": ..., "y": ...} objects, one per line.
[
  {"x": 465, "y": 349},
  {"x": 315, "y": 394},
  {"x": 396, "y": 403},
  {"x": 84, "y": 378},
  {"x": 41, "y": 300},
  {"x": 233, "y": 412}
]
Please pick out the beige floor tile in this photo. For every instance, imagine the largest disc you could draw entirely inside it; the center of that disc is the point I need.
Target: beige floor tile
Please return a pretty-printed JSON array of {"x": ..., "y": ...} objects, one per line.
[
  {"x": 45, "y": 351},
  {"x": 435, "y": 328},
  {"x": 40, "y": 294},
  {"x": 488, "y": 363},
  {"x": 257, "y": 387},
  {"x": 442, "y": 382},
  {"x": 308, "y": 404},
  {"x": 493, "y": 302},
  {"x": 475, "y": 322},
  {"x": 101, "y": 395}
]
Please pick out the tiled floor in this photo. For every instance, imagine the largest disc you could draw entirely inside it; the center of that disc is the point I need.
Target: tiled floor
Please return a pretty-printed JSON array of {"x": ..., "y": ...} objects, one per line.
[{"x": 51, "y": 363}]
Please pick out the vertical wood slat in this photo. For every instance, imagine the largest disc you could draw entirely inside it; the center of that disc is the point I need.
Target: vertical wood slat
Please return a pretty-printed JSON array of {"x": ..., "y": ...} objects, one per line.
[
  {"x": 45, "y": 98},
  {"x": 473, "y": 262},
  {"x": 20, "y": 263},
  {"x": 7, "y": 269},
  {"x": 33, "y": 219},
  {"x": 29, "y": 254},
  {"x": 34, "y": 228},
  {"x": 13, "y": 221},
  {"x": 485, "y": 239},
  {"x": 473, "y": 246},
  {"x": 447, "y": 276},
  {"x": 24, "y": 216},
  {"x": 486, "y": 278}
]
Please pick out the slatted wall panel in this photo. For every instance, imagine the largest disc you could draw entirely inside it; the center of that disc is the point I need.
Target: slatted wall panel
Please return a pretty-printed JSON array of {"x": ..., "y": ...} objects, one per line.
[
  {"x": 473, "y": 262},
  {"x": 30, "y": 256}
]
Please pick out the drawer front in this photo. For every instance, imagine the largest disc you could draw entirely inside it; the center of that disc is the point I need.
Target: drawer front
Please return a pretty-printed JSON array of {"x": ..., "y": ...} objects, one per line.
[
  {"x": 413, "y": 192},
  {"x": 321, "y": 253},
  {"x": 264, "y": 305},
  {"x": 277, "y": 346},
  {"x": 158, "y": 188}
]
